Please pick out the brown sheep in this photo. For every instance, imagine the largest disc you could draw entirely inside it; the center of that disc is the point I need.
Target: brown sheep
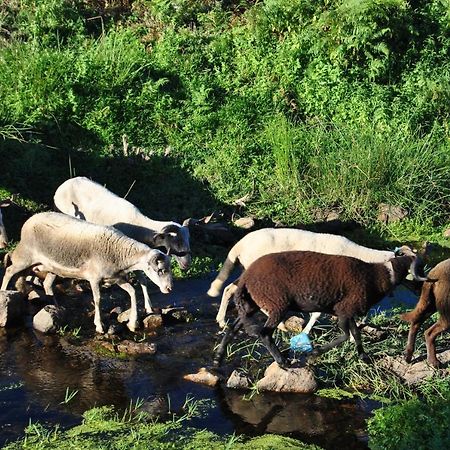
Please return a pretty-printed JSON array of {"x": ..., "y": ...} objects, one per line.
[
  {"x": 307, "y": 281},
  {"x": 435, "y": 296}
]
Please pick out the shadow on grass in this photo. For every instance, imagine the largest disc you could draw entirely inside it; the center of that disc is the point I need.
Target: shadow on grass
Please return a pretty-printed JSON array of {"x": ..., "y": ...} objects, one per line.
[{"x": 158, "y": 186}]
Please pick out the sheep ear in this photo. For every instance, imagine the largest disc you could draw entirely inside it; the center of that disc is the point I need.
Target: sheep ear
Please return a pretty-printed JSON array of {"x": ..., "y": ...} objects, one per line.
[{"x": 159, "y": 239}]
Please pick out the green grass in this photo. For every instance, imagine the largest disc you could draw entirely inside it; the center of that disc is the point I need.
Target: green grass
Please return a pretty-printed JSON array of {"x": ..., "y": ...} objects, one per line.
[
  {"x": 301, "y": 106},
  {"x": 104, "y": 429}
]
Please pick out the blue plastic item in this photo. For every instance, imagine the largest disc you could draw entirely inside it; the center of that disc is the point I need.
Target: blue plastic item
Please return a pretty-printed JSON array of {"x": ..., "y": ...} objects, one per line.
[{"x": 301, "y": 343}]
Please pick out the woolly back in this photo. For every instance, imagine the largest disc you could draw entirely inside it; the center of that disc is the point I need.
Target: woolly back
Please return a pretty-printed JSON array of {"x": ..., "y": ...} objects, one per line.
[{"x": 72, "y": 241}]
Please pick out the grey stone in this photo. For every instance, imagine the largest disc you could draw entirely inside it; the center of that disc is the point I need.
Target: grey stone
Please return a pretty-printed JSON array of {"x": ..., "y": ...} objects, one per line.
[
  {"x": 49, "y": 319},
  {"x": 136, "y": 348},
  {"x": 416, "y": 372},
  {"x": 124, "y": 316},
  {"x": 246, "y": 223},
  {"x": 177, "y": 314},
  {"x": 153, "y": 321},
  {"x": 390, "y": 213},
  {"x": 294, "y": 324},
  {"x": 237, "y": 380},
  {"x": 300, "y": 380},
  {"x": 12, "y": 307}
]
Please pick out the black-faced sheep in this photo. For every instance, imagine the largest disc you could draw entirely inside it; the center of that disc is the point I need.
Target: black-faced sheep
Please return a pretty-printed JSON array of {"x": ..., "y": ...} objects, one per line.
[
  {"x": 85, "y": 199},
  {"x": 3, "y": 235},
  {"x": 307, "y": 281},
  {"x": 73, "y": 248},
  {"x": 274, "y": 240},
  {"x": 435, "y": 296}
]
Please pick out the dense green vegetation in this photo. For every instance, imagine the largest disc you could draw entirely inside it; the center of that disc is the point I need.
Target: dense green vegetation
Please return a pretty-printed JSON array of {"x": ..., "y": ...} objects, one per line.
[
  {"x": 301, "y": 106},
  {"x": 392, "y": 427}
]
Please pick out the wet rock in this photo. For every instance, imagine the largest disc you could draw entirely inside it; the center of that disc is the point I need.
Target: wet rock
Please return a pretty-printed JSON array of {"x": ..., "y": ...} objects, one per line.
[
  {"x": 136, "y": 348},
  {"x": 300, "y": 380},
  {"x": 294, "y": 324},
  {"x": 237, "y": 380},
  {"x": 153, "y": 321},
  {"x": 12, "y": 307},
  {"x": 177, "y": 314},
  {"x": 124, "y": 316},
  {"x": 416, "y": 372},
  {"x": 389, "y": 213},
  {"x": 203, "y": 376},
  {"x": 49, "y": 319},
  {"x": 247, "y": 223},
  {"x": 115, "y": 329}
]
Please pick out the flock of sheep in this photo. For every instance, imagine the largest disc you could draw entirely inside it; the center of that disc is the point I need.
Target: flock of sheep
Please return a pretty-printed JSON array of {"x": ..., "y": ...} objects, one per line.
[{"x": 100, "y": 237}]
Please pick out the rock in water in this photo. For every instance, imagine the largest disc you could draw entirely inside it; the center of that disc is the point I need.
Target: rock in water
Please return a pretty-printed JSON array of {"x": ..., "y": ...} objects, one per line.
[
  {"x": 237, "y": 381},
  {"x": 300, "y": 380},
  {"x": 203, "y": 376},
  {"x": 12, "y": 307},
  {"x": 49, "y": 319}
]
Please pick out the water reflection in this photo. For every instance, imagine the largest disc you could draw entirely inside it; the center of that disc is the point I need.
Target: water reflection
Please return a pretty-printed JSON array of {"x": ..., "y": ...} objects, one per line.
[{"x": 36, "y": 370}]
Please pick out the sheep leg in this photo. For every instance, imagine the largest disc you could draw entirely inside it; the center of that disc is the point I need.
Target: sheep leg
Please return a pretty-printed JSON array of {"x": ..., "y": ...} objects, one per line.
[
  {"x": 356, "y": 333},
  {"x": 344, "y": 324},
  {"x": 95, "y": 287},
  {"x": 48, "y": 286},
  {"x": 133, "y": 321},
  {"x": 10, "y": 272},
  {"x": 267, "y": 340},
  {"x": 409, "y": 350},
  {"x": 231, "y": 332},
  {"x": 265, "y": 335},
  {"x": 228, "y": 292},
  {"x": 424, "y": 308},
  {"x": 312, "y": 320},
  {"x": 430, "y": 336},
  {"x": 143, "y": 283}
]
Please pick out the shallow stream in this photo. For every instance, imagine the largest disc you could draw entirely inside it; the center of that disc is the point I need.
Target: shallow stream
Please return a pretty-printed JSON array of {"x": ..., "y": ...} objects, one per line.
[{"x": 38, "y": 373}]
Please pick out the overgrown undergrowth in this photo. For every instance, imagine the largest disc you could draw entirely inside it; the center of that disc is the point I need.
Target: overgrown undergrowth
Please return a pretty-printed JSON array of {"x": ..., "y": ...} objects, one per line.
[{"x": 299, "y": 106}]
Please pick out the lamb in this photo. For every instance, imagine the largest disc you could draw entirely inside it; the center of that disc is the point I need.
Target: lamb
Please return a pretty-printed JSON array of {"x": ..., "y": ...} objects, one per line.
[
  {"x": 308, "y": 281},
  {"x": 3, "y": 235},
  {"x": 72, "y": 248},
  {"x": 435, "y": 296},
  {"x": 273, "y": 240},
  {"x": 88, "y": 200}
]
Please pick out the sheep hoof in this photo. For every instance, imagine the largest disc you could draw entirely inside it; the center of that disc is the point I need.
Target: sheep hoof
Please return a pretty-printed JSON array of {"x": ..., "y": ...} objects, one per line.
[
  {"x": 435, "y": 363},
  {"x": 364, "y": 357},
  {"x": 408, "y": 357}
]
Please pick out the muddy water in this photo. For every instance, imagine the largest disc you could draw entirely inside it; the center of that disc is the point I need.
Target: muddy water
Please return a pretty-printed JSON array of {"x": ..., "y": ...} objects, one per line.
[{"x": 37, "y": 370}]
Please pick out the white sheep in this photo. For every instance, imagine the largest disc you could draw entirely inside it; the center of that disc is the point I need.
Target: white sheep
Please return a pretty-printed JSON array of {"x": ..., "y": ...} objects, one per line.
[
  {"x": 85, "y": 199},
  {"x": 72, "y": 248},
  {"x": 3, "y": 235},
  {"x": 273, "y": 240},
  {"x": 308, "y": 281}
]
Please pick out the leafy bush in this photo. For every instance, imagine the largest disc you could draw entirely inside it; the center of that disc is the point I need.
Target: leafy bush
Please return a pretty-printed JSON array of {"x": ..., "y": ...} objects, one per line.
[{"x": 411, "y": 424}]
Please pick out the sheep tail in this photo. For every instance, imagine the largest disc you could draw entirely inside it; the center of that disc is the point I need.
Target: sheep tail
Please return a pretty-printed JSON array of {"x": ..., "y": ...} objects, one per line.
[
  {"x": 425, "y": 304},
  {"x": 227, "y": 268}
]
